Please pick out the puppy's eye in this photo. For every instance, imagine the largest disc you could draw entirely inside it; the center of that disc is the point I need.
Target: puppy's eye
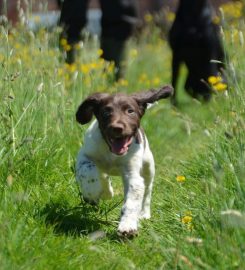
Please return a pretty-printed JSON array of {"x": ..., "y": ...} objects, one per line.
[
  {"x": 106, "y": 114},
  {"x": 130, "y": 111}
]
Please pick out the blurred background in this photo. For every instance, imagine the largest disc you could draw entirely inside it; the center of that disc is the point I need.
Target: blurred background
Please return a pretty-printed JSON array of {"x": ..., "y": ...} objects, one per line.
[{"x": 46, "y": 12}]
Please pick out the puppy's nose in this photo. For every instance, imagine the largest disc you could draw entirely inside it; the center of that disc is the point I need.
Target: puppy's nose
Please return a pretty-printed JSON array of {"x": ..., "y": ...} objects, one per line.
[{"x": 116, "y": 129}]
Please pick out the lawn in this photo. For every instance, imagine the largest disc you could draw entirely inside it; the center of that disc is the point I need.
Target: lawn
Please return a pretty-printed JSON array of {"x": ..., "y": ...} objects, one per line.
[{"x": 198, "y": 205}]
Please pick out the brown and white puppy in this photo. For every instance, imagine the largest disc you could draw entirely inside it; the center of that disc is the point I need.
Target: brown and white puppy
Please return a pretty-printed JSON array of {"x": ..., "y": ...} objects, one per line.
[{"x": 114, "y": 144}]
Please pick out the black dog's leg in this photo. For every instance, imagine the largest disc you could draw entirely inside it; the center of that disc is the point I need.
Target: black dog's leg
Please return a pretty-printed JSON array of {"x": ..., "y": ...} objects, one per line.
[{"x": 175, "y": 73}]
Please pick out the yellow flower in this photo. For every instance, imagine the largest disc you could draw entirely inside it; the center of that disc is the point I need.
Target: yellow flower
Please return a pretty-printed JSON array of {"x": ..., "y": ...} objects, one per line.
[
  {"x": 84, "y": 68},
  {"x": 216, "y": 20},
  {"x": 93, "y": 65},
  {"x": 63, "y": 42},
  {"x": 180, "y": 178},
  {"x": 17, "y": 45},
  {"x": 148, "y": 17},
  {"x": 143, "y": 77},
  {"x": 220, "y": 86},
  {"x": 111, "y": 67},
  {"x": 78, "y": 46},
  {"x": 67, "y": 47},
  {"x": 71, "y": 67},
  {"x": 37, "y": 19},
  {"x": 133, "y": 53},
  {"x": 99, "y": 52},
  {"x": 214, "y": 79},
  {"x": 51, "y": 53},
  {"x": 156, "y": 81},
  {"x": 232, "y": 10},
  {"x": 123, "y": 82},
  {"x": 170, "y": 16},
  {"x": 186, "y": 219},
  {"x": 60, "y": 72}
]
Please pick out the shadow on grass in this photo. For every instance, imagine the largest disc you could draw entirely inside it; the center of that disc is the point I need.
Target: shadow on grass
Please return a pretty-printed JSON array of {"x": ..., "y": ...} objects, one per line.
[{"x": 77, "y": 221}]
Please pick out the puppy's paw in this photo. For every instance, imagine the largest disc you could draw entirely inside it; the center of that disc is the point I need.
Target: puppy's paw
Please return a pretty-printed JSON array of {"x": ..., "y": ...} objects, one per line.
[
  {"x": 91, "y": 202},
  {"x": 127, "y": 229}
]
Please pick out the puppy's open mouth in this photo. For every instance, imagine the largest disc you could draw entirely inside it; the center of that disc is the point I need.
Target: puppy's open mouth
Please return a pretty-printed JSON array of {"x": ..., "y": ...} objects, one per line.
[{"x": 119, "y": 146}]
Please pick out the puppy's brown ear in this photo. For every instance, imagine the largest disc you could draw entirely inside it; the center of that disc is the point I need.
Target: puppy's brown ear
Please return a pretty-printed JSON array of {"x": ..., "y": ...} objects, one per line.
[
  {"x": 86, "y": 110},
  {"x": 152, "y": 95}
]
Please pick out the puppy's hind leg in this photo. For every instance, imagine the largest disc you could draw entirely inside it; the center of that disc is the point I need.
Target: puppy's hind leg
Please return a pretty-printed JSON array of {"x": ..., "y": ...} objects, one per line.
[
  {"x": 107, "y": 192},
  {"x": 148, "y": 175}
]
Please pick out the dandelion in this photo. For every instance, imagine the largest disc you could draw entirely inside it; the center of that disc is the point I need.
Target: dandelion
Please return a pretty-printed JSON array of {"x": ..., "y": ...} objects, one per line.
[
  {"x": 220, "y": 86},
  {"x": 60, "y": 71},
  {"x": 216, "y": 20},
  {"x": 156, "y": 81},
  {"x": 71, "y": 67},
  {"x": 133, "y": 53},
  {"x": 216, "y": 83},
  {"x": 99, "y": 52},
  {"x": 37, "y": 19},
  {"x": 180, "y": 178},
  {"x": 111, "y": 67},
  {"x": 232, "y": 10},
  {"x": 78, "y": 45},
  {"x": 63, "y": 42},
  {"x": 186, "y": 219},
  {"x": 170, "y": 16},
  {"x": 143, "y": 77},
  {"x": 148, "y": 18},
  {"x": 93, "y": 65},
  {"x": 123, "y": 82},
  {"x": 17, "y": 45},
  {"x": 84, "y": 68},
  {"x": 214, "y": 79},
  {"x": 67, "y": 47}
]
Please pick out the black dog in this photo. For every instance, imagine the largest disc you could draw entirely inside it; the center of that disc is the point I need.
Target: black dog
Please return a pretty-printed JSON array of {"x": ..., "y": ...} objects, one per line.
[{"x": 194, "y": 40}]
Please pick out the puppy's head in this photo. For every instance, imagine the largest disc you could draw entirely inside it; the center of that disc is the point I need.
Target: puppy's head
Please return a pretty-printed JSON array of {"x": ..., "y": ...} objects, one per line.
[{"x": 119, "y": 115}]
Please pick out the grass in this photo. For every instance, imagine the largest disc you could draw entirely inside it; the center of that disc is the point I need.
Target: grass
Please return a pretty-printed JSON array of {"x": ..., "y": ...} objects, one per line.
[{"x": 198, "y": 223}]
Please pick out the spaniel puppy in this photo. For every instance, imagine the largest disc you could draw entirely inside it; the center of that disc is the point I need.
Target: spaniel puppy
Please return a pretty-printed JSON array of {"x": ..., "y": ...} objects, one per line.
[{"x": 114, "y": 144}]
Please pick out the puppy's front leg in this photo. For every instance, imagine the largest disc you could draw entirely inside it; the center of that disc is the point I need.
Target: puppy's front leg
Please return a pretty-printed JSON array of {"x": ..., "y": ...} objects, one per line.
[
  {"x": 94, "y": 185},
  {"x": 88, "y": 177},
  {"x": 133, "y": 197}
]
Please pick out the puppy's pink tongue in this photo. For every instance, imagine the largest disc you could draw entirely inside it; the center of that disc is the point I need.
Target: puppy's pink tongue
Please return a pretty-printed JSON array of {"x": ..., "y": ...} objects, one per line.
[{"x": 120, "y": 146}]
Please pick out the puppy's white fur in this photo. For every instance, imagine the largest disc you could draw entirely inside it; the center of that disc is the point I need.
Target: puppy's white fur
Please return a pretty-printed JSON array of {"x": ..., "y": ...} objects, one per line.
[{"x": 96, "y": 162}]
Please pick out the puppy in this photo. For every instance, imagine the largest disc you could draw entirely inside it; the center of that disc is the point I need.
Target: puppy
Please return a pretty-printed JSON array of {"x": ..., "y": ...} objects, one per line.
[
  {"x": 194, "y": 40},
  {"x": 114, "y": 144}
]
